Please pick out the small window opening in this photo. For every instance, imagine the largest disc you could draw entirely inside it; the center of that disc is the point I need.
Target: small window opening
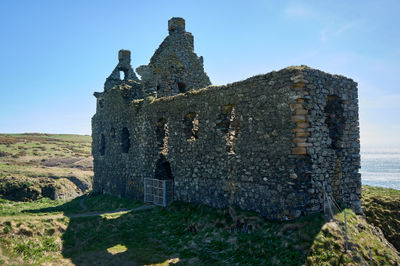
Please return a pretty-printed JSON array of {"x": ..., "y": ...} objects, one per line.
[
  {"x": 162, "y": 135},
  {"x": 191, "y": 126},
  {"x": 223, "y": 120},
  {"x": 102, "y": 145},
  {"x": 334, "y": 120},
  {"x": 158, "y": 87},
  {"x": 125, "y": 140},
  {"x": 181, "y": 87},
  {"x": 228, "y": 125},
  {"x": 122, "y": 75}
]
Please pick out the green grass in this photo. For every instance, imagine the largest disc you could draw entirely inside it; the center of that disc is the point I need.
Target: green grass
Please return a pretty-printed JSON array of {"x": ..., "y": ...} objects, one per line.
[
  {"x": 65, "y": 137},
  {"x": 12, "y": 208},
  {"x": 44, "y": 160},
  {"x": 31, "y": 232},
  {"x": 382, "y": 208},
  {"x": 45, "y": 145},
  {"x": 46, "y": 206},
  {"x": 93, "y": 203},
  {"x": 40, "y": 232},
  {"x": 329, "y": 245},
  {"x": 192, "y": 234}
]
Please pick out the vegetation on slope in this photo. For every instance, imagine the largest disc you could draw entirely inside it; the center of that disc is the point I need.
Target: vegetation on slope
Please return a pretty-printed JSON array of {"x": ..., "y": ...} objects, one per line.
[
  {"x": 382, "y": 208},
  {"x": 44, "y": 231},
  {"x": 35, "y": 165},
  {"x": 41, "y": 231}
]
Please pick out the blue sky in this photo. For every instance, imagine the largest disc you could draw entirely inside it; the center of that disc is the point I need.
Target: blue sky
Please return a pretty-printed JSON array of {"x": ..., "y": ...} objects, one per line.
[{"x": 55, "y": 54}]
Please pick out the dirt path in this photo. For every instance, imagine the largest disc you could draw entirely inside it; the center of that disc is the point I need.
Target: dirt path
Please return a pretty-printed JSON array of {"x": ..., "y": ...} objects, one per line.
[
  {"x": 77, "y": 215},
  {"x": 90, "y": 214}
]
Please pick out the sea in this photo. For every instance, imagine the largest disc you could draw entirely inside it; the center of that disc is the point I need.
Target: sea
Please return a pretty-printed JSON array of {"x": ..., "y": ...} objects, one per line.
[{"x": 380, "y": 166}]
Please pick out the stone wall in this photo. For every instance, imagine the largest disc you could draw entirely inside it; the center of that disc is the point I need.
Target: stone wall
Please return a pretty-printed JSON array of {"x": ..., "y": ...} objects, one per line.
[
  {"x": 174, "y": 68},
  {"x": 332, "y": 104},
  {"x": 263, "y": 144},
  {"x": 274, "y": 143}
]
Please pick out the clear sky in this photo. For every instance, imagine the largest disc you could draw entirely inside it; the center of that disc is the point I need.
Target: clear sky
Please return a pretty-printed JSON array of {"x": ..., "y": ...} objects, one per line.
[{"x": 55, "y": 54}]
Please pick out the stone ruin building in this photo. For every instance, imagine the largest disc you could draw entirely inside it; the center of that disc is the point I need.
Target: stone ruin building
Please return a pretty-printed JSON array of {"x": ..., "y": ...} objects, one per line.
[{"x": 275, "y": 143}]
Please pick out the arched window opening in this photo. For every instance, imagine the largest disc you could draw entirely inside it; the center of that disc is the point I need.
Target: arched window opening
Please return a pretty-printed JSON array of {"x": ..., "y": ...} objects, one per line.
[
  {"x": 191, "y": 126},
  {"x": 122, "y": 75},
  {"x": 125, "y": 140},
  {"x": 162, "y": 135},
  {"x": 102, "y": 145},
  {"x": 181, "y": 87}
]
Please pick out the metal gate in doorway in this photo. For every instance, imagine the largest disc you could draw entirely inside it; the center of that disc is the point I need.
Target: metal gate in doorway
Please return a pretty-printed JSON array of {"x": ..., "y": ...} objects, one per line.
[{"x": 159, "y": 192}]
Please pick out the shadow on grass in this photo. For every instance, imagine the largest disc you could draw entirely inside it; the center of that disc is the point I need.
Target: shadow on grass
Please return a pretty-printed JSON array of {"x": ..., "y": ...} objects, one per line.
[
  {"x": 67, "y": 207},
  {"x": 183, "y": 233},
  {"x": 90, "y": 203}
]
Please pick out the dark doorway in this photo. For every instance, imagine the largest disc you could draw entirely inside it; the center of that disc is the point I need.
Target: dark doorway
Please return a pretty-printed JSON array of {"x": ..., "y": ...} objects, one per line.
[{"x": 163, "y": 169}]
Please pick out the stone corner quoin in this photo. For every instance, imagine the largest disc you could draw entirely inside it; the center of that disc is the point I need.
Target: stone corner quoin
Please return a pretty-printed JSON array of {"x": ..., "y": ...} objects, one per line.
[{"x": 278, "y": 143}]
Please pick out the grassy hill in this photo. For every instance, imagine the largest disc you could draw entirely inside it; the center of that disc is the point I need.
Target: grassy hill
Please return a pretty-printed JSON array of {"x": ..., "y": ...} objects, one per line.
[
  {"x": 35, "y": 165},
  {"x": 86, "y": 231},
  {"x": 45, "y": 231}
]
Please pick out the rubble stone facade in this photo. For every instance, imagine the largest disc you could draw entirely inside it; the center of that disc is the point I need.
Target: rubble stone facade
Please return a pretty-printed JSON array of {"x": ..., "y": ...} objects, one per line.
[
  {"x": 274, "y": 143},
  {"x": 174, "y": 67}
]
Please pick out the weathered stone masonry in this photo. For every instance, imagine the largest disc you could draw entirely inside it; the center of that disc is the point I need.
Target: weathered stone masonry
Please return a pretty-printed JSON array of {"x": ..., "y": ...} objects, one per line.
[{"x": 273, "y": 143}]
